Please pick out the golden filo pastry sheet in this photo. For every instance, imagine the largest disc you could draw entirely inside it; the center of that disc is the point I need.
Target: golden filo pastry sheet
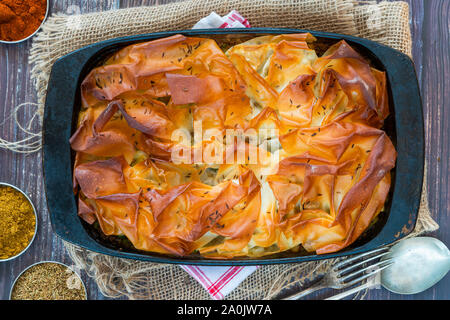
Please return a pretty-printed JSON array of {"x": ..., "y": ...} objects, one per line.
[
  {"x": 326, "y": 174},
  {"x": 313, "y": 91}
]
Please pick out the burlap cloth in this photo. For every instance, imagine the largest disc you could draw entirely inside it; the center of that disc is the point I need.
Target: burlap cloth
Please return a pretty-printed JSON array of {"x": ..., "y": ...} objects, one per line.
[{"x": 385, "y": 22}]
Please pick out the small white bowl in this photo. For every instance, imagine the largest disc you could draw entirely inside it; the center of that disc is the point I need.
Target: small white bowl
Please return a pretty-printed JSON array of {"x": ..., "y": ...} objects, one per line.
[
  {"x": 42, "y": 262},
  {"x": 3, "y": 184},
  {"x": 39, "y": 28}
]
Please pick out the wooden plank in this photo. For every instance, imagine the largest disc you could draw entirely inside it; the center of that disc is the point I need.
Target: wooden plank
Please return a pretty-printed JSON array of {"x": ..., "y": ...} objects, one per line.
[
  {"x": 431, "y": 54},
  {"x": 25, "y": 171},
  {"x": 436, "y": 97}
]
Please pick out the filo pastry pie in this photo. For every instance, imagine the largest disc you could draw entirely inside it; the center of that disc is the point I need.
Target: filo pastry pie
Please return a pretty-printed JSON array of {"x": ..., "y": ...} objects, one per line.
[{"x": 329, "y": 171}]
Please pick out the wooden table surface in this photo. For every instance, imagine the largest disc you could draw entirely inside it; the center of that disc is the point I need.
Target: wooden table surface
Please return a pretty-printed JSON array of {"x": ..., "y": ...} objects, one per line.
[{"x": 430, "y": 32}]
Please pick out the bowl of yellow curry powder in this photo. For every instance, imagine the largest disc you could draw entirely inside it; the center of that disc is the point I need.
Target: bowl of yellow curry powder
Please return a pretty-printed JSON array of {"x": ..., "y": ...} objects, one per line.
[{"x": 18, "y": 222}]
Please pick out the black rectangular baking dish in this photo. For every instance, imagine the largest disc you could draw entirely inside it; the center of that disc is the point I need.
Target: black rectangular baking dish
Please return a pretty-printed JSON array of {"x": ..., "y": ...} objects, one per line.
[{"x": 404, "y": 126}]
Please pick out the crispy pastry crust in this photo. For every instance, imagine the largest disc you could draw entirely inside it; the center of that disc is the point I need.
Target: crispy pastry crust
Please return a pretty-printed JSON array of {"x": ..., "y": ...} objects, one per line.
[{"x": 331, "y": 179}]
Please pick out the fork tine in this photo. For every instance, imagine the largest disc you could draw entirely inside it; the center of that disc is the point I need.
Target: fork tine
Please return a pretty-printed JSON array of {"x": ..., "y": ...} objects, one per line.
[
  {"x": 367, "y": 275},
  {"x": 353, "y": 266},
  {"x": 347, "y": 261},
  {"x": 381, "y": 265}
]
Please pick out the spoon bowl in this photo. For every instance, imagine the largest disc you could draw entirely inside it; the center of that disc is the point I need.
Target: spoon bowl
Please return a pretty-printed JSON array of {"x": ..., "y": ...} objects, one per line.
[{"x": 419, "y": 263}]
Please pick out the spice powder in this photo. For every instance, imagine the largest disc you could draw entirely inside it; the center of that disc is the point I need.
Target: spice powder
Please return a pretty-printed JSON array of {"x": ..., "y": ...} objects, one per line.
[
  {"x": 48, "y": 281},
  {"x": 20, "y": 19},
  {"x": 17, "y": 222}
]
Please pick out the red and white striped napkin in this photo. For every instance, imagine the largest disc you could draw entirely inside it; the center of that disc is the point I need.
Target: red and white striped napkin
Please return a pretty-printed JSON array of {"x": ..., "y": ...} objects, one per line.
[
  {"x": 220, "y": 281},
  {"x": 231, "y": 20}
]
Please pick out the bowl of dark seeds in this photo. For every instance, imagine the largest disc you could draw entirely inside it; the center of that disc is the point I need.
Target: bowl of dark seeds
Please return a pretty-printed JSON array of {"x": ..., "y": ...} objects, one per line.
[{"x": 48, "y": 280}]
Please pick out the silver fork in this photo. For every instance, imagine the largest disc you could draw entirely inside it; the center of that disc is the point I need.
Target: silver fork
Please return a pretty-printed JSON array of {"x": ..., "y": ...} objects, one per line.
[{"x": 349, "y": 271}]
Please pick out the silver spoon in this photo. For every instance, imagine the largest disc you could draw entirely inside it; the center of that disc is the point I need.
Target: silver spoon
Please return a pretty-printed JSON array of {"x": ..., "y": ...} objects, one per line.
[{"x": 419, "y": 263}]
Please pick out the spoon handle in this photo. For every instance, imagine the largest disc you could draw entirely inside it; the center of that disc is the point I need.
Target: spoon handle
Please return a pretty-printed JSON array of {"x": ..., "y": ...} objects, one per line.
[{"x": 367, "y": 285}]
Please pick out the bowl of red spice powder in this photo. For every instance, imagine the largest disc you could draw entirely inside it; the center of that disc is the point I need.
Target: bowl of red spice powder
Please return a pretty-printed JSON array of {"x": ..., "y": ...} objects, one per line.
[{"x": 21, "y": 19}]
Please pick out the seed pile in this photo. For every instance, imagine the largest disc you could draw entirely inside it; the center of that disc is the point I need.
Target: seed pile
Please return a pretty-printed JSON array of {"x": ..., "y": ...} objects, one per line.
[{"x": 48, "y": 281}]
